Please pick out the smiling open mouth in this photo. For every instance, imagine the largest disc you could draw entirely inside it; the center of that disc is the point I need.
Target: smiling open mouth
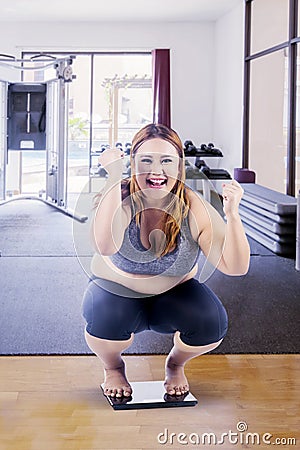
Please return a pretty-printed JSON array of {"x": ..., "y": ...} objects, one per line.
[{"x": 156, "y": 182}]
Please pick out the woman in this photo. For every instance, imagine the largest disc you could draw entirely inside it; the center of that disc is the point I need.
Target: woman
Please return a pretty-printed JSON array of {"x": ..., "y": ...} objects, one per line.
[{"x": 148, "y": 231}]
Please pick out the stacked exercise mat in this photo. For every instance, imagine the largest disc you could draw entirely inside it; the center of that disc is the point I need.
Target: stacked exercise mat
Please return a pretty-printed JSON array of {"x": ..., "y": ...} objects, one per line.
[{"x": 269, "y": 217}]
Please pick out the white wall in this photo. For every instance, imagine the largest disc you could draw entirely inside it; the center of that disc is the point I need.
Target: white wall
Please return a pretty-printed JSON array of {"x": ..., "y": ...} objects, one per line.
[
  {"x": 192, "y": 52},
  {"x": 206, "y": 67},
  {"x": 228, "y": 93}
]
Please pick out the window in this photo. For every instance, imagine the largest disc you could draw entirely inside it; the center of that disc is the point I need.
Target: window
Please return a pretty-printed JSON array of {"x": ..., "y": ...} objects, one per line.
[
  {"x": 109, "y": 100},
  {"x": 271, "y": 118},
  {"x": 268, "y": 120},
  {"x": 269, "y": 21},
  {"x": 122, "y": 100},
  {"x": 297, "y": 156}
]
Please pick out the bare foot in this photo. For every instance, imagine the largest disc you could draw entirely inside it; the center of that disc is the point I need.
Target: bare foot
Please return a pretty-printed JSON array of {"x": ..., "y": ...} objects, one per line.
[
  {"x": 116, "y": 383},
  {"x": 175, "y": 382}
]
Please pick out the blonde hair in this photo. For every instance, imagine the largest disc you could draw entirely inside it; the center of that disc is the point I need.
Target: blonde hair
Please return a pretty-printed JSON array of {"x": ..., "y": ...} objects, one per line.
[{"x": 178, "y": 207}]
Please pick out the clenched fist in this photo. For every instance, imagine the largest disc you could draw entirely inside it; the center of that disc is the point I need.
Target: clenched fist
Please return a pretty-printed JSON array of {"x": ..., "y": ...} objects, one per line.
[
  {"x": 112, "y": 160},
  {"x": 232, "y": 194}
]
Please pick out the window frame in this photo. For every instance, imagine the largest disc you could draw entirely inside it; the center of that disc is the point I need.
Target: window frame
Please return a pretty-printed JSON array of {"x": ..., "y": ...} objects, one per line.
[
  {"x": 92, "y": 55},
  {"x": 291, "y": 44}
]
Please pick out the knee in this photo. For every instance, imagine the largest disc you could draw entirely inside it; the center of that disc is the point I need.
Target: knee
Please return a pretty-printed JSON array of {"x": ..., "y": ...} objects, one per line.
[
  {"x": 207, "y": 328},
  {"x": 198, "y": 349}
]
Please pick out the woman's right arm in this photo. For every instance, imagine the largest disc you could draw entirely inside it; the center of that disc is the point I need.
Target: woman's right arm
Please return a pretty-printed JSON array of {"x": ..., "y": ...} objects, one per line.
[{"x": 111, "y": 218}]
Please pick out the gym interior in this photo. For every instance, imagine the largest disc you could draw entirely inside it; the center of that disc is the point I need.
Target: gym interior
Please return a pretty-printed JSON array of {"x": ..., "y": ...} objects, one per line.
[{"x": 79, "y": 77}]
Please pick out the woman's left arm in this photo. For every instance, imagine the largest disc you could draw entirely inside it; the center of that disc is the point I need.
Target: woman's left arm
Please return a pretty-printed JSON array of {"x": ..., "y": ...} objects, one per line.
[
  {"x": 236, "y": 250},
  {"x": 224, "y": 244}
]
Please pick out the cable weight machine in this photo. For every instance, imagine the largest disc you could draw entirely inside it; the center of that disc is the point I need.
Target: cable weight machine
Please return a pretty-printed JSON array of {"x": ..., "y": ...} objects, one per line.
[{"x": 34, "y": 116}]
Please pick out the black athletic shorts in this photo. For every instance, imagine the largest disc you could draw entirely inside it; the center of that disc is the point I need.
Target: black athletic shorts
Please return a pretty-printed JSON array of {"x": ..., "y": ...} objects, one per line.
[{"x": 191, "y": 308}]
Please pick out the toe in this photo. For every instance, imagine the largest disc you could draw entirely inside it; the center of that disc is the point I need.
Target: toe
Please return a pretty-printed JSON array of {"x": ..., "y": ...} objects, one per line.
[
  {"x": 178, "y": 390},
  {"x": 113, "y": 392},
  {"x": 184, "y": 389},
  {"x": 171, "y": 391},
  {"x": 127, "y": 392},
  {"x": 119, "y": 393},
  {"x": 107, "y": 392}
]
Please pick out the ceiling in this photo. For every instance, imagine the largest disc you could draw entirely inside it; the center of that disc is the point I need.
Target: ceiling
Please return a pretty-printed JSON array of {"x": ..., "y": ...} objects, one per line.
[{"x": 114, "y": 10}]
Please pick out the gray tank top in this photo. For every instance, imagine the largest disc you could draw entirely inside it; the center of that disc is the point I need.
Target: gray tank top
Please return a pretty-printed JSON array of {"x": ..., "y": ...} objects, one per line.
[{"x": 134, "y": 258}]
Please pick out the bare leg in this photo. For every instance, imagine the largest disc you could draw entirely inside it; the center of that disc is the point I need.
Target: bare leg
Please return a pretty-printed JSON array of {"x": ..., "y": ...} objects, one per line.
[
  {"x": 176, "y": 382},
  {"x": 109, "y": 352}
]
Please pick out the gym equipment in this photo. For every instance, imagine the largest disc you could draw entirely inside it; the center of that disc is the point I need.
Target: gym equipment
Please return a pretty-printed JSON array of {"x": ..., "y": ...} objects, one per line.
[
  {"x": 189, "y": 148},
  {"x": 127, "y": 148},
  {"x": 34, "y": 116},
  {"x": 199, "y": 170},
  {"x": 101, "y": 171},
  {"x": 205, "y": 150},
  {"x": 289, "y": 219},
  {"x": 205, "y": 172},
  {"x": 148, "y": 395},
  {"x": 193, "y": 173},
  {"x": 272, "y": 224},
  {"x": 281, "y": 249},
  {"x": 210, "y": 149},
  {"x": 215, "y": 174},
  {"x": 187, "y": 144},
  {"x": 269, "y": 217},
  {"x": 26, "y": 124},
  {"x": 199, "y": 163},
  {"x": 243, "y": 175},
  {"x": 269, "y": 200}
]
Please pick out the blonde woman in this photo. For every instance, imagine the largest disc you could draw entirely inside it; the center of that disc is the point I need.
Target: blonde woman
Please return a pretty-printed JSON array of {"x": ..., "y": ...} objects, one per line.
[{"x": 148, "y": 232}]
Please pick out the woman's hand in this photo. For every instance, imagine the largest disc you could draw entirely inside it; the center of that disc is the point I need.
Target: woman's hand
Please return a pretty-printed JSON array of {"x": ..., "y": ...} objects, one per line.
[
  {"x": 232, "y": 194},
  {"x": 112, "y": 160}
]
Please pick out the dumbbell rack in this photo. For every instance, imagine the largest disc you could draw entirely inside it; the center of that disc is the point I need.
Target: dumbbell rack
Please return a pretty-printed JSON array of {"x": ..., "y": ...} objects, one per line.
[
  {"x": 198, "y": 170},
  {"x": 269, "y": 217},
  {"x": 192, "y": 171}
]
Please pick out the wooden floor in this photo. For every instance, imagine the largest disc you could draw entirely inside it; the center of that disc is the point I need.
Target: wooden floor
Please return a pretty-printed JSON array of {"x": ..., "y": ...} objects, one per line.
[{"x": 54, "y": 403}]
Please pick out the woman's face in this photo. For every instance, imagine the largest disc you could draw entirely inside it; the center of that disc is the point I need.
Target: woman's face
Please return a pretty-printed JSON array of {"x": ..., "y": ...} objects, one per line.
[{"x": 156, "y": 167}]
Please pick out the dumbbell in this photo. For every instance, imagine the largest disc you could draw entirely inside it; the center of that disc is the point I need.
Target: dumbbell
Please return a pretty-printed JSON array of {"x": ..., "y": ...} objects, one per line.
[
  {"x": 209, "y": 148},
  {"x": 206, "y": 170},
  {"x": 101, "y": 171},
  {"x": 200, "y": 162},
  {"x": 189, "y": 148},
  {"x": 199, "y": 151},
  {"x": 213, "y": 149},
  {"x": 187, "y": 144},
  {"x": 127, "y": 148}
]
